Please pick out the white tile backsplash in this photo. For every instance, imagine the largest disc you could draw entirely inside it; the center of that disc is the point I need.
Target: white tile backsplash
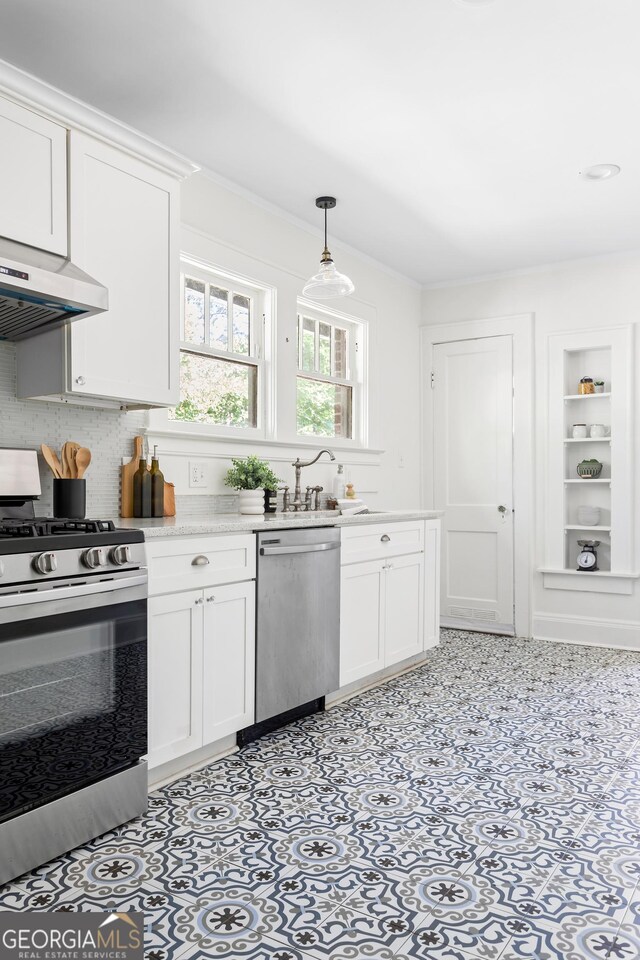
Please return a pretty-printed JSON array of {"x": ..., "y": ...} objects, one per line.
[{"x": 107, "y": 433}]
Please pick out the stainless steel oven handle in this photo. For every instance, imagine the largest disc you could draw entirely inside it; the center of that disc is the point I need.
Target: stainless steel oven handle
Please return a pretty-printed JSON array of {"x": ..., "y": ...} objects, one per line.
[{"x": 55, "y": 594}]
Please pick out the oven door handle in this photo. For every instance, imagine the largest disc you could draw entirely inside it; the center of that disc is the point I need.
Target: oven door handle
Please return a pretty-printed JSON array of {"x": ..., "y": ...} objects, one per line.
[{"x": 62, "y": 598}]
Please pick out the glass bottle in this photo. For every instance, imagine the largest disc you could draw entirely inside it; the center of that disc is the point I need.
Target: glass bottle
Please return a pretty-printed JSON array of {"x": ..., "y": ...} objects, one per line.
[
  {"x": 142, "y": 490},
  {"x": 157, "y": 486}
]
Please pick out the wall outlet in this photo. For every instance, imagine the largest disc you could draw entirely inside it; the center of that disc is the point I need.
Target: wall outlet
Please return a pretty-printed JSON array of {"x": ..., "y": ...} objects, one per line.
[{"x": 197, "y": 473}]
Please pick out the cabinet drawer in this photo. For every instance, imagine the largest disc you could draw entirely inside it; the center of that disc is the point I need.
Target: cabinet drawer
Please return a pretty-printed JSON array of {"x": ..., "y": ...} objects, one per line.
[
  {"x": 376, "y": 540},
  {"x": 217, "y": 560}
]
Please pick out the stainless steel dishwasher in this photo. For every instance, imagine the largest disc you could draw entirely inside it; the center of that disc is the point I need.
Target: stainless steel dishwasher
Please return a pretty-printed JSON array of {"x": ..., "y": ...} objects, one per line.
[{"x": 298, "y": 618}]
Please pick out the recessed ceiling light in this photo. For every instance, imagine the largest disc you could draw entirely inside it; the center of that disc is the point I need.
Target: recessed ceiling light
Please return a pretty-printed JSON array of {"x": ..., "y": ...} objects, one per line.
[
  {"x": 475, "y": 3},
  {"x": 601, "y": 171}
]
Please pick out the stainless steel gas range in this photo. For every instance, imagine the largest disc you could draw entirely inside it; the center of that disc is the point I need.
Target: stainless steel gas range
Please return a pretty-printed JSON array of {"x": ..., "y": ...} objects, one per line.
[{"x": 73, "y": 675}]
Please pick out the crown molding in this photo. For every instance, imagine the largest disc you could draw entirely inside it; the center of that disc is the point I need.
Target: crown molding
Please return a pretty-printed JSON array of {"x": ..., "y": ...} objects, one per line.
[{"x": 62, "y": 108}]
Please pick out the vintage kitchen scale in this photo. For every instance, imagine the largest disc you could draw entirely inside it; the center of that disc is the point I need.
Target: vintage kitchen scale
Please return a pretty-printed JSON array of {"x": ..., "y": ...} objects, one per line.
[{"x": 588, "y": 558}]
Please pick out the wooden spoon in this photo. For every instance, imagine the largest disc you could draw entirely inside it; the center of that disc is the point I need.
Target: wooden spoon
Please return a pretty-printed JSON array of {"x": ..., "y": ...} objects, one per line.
[
  {"x": 83, "y": 459},
  {"x": 69, "y": 451},
  {"x": 51, "y": 460}
]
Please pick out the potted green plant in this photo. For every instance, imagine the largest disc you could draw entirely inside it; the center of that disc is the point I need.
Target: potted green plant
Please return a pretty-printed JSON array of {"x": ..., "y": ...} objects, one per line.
[{"x": 251, "y": 476}]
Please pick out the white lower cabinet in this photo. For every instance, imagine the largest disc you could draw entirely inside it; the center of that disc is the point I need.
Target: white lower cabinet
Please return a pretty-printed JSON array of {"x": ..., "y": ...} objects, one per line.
[
  {"x": 361, "y": 620},
  {"x": 229, "y": 660},
  {"x": 403, "y": 608},
  {"x": 381, "y": 615},
  {"x": 201, "y": 668},
  {"x": 175, "y": 675}
]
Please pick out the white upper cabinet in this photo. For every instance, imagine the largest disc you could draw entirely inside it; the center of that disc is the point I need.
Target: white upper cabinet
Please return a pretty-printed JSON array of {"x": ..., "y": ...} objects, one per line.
[
  {"x": 123, "y": 231},
  {"x": 33, "y": 179}
]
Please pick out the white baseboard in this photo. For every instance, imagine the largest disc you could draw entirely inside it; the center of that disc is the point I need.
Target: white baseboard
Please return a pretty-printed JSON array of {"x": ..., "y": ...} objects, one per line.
[
  {"x": 589, "y": 631},
  {"x": 477, "y": 626},
  {"x": 174, "y": 769}
]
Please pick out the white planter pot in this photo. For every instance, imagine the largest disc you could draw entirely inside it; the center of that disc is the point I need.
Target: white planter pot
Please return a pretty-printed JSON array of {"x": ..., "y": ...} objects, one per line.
[{"x": 251, "y": 502}]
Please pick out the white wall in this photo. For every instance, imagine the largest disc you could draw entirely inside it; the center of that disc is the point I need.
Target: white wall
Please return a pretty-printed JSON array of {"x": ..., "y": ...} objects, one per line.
[
  {"x": 244, "y": 236},
  {"x": 566, "y": 297}
]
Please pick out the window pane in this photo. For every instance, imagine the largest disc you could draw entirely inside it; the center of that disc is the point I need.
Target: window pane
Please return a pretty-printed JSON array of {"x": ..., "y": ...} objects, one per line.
[
  {"x": 340, "y": 353},
  {"x": 308, "y": 344},
  {"x": 219, "y": 328},
  {"x": 193, "y": 310},
  {"x": 324, "y": 349},
  {"x": 324, "y": 409},
  {"x": 241, "y": 317},
  {"x": 216, "y": 391}
]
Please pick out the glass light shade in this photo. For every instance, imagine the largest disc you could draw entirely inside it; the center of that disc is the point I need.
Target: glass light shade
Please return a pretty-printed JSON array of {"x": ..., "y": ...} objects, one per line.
[{"x": 328, "y": 283}]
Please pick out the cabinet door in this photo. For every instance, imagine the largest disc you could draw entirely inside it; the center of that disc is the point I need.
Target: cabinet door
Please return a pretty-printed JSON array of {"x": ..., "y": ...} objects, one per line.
[
  {"x": 403, "y": 608},
  {"x": 361, "y": 620},
  {"x": 33, "y": 179},
  {"x": 123, "y": 232},
  {"x": 175, "y": 675},
  {"x": 229, "y": 660}
]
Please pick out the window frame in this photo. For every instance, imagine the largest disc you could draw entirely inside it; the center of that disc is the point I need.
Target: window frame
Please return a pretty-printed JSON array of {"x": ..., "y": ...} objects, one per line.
[
  {"x": 357, "y": 366},
  {"x": 261, "y": 298}
]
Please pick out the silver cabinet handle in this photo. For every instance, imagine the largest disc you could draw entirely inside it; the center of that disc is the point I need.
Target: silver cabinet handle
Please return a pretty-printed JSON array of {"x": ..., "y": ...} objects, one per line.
[
  {"x": 210, "y": 599},
  {"x": 200, "y": 561},
  {"x": 385, "y": 538},
  {"x": 80, "y": 381},
  {"x": 503, "y": 509},
  {"x": 199, "y": 600}
]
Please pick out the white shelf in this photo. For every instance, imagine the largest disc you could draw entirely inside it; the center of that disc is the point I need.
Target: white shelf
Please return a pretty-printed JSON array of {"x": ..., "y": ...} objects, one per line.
[
  {"x": 576, "y": 526},
  {"x": 589, "y": 573},
  {"x": 588, "y": 440},
  {"x": 585, "y": 396},
  {"x": 593, "y": 480}
]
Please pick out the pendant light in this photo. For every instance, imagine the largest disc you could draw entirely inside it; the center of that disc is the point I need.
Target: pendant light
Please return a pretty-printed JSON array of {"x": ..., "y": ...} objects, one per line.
[{"x": 327, "y": 283}]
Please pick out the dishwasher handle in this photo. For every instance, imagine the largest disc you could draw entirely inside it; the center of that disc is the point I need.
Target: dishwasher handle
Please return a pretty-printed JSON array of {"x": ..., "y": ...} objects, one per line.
[{"x": 301, "y": 548}]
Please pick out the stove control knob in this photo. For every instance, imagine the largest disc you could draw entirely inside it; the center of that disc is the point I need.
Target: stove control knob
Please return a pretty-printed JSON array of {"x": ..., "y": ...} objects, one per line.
[
  {"x": 120, "y": 555},
  {"x": 92, "y": 558},
  {"x": 45, "y": 563}
]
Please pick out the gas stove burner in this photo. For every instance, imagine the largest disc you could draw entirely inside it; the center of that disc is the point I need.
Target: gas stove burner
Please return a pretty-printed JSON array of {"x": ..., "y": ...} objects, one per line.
[{"x": 51, "y": 527}]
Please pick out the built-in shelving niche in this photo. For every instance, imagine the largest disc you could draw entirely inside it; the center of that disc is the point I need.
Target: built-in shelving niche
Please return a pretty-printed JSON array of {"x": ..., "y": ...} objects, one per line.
[{"x": 603, "y": 355}]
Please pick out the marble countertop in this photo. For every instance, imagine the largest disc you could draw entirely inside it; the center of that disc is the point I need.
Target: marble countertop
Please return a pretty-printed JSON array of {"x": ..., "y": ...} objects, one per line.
[{"x": 236, "y": 523}]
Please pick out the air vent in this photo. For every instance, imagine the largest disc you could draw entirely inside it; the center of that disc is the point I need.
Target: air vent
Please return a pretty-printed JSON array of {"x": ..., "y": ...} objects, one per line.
[
  {"x": 485, "y": 615},
  {"x": 18, "y": 317},
  {"x": 460, "y": 612}
]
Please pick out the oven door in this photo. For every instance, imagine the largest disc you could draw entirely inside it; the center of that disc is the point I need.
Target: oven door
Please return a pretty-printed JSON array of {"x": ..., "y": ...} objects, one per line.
[{"x": 73, "y": 687}]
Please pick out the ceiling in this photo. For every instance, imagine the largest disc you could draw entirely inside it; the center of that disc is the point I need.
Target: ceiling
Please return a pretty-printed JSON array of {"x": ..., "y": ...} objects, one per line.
[{"x": 452, "y": 133}]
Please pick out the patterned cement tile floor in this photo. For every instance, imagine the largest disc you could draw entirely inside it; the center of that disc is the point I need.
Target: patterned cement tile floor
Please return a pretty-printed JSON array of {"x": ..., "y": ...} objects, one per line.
[{"x": 486, "y": 805}]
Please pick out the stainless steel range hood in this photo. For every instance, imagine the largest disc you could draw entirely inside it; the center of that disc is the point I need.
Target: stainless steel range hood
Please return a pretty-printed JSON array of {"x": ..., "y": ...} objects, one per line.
[{"x": 40, "y": 291}]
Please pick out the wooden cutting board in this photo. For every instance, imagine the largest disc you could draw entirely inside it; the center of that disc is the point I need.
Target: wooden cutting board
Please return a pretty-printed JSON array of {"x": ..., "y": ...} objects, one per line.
[
  {"x": 127, "y": 472},
  {"x": 169, "y": 499}
]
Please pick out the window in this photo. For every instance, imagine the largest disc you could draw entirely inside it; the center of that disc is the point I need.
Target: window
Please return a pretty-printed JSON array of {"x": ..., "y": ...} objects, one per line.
[
  {"x": 220, "y": 350},
  {"x": 328, "y": 394}
]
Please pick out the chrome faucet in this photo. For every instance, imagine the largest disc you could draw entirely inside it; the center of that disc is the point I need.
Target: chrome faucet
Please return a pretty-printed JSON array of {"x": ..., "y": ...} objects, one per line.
[{"x": 298, "y": 503}]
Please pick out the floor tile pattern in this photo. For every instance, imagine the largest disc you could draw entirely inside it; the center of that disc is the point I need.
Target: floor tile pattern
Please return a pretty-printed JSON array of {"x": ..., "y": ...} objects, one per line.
[{"x": 485, "y": 805}]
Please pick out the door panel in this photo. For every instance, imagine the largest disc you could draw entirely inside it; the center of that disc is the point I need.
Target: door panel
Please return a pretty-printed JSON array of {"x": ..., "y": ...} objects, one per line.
[
  {"x": 403, "y": 608},
  {"x": 361, "y": 621},
  {"x": 175, "y": 675},
  {"x": 229, "y": 660},
  {"x": 473, "y": 477},
  {"x": 33, "y": 179}
]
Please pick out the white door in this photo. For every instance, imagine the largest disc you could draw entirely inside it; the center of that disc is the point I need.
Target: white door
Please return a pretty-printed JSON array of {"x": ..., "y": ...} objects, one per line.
[
  {"x": 403, "y": 608},
  {"x": 229, "y": 660},
  {"x": 123, "y": 231},
  {"x": 361, "y": 620},
  {"x": 473, "y": 480},
  {"x": 33, "y": 179},
  {"x": 175, "y": 675}
]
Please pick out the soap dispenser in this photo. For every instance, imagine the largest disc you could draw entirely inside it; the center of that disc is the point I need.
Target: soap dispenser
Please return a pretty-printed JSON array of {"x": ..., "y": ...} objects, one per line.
[{"x": 338, "y": 484}]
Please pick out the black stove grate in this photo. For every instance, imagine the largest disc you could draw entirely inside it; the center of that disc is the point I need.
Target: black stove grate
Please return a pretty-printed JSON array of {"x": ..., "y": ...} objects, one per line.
[{"x": 50, "y": 527}]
